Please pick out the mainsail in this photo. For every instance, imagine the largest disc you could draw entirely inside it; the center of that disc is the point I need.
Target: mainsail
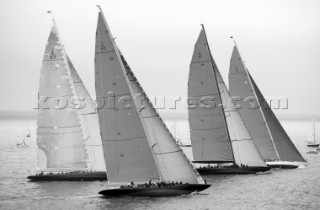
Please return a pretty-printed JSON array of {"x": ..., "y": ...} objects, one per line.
[
  {"x": 208, "y": 128},
  {"x": 60, "y": 141},
  {"x": 267, "y": 132},
  {"x": 242, "y": 147},
  {"x": 62, "y": 136},
  {"x": 137, "y": 145}
]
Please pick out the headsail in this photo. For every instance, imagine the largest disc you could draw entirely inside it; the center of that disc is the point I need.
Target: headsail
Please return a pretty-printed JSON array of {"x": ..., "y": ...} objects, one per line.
[
  {"x": 89, "y": 119},
  {"x": 208, "y": 128},
  {"x": 61, "y": 146},
  {"x": 284, "y": 146},
  {"x": 267, "y": 132},
  {"x": 244, "y": 149},
  {"x": 137, "y": 145},
  {"x": 240, "y": 86}
]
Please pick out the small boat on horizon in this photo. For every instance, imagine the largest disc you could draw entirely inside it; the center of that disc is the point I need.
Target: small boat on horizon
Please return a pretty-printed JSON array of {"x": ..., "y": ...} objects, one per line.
[
  {"x": 175, "y": 133},
  {"x": 313, "y": 143},
  {"x": 26, "y": 134},
  {"x": 312, "y": 152}
]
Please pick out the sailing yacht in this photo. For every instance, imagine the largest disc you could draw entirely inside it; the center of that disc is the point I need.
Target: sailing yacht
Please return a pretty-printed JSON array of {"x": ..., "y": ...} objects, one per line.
[
  {"x": 68, "y": 137},
  {"x": 268, "y": 134},
  {"x": 313, "y": 143},
  {"x": 26, "y": 134},
  {"x": 138, "y": 147},
  {"x": 176, "y": 135},
  {"x": 218, "y": 135}
]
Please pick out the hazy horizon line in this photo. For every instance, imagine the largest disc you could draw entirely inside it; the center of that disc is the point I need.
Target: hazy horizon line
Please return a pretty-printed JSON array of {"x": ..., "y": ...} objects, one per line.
[{"x": 171, "y": 115}]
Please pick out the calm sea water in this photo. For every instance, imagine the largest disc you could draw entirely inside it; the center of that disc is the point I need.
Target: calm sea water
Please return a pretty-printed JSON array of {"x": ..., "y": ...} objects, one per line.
[{"x": 282, "y": 189}]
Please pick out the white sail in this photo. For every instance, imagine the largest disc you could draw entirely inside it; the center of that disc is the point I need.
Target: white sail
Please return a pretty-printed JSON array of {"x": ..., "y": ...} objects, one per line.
[
  {"x": 137, "y": 145},
  {"x": 208, "y": 128},
  {"x": 243, "y": 147},
  {"x": 60, "y": 140},
  {"x": 240, "y": 87},
  {"x": 127, "y": 153},
  {"x": 169, "y": 157},
  {"x": 313, "y": 130},
  {"x": 274, "y": 143},
  {"x": 283, "y": 144},
  {"x": 89, "y": 119}
]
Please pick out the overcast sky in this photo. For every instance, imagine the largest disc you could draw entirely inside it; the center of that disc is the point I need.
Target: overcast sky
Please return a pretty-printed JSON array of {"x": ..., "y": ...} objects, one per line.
[{"x": 278, "y": 39}]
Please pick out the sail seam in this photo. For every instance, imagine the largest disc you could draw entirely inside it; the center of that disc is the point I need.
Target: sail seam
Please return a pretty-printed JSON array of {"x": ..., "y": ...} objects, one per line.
[
  {"x": 124, "y": 139},
  {"x": 105, "y": 52},
  {"x": 163, "y": 153},
  {"x": 196, "y": 62}
]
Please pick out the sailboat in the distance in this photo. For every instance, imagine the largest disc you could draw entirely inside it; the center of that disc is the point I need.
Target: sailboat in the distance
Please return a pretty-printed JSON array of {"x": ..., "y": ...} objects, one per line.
[
  {"x": 218, "y": 135},
  {"x": 138, "y": 147},
  {"x": 313, "y": 143},
  {"x": 273, "y": 142},
  {"x": 68, "y": 137},
  {"x": 26, "y": 134}
]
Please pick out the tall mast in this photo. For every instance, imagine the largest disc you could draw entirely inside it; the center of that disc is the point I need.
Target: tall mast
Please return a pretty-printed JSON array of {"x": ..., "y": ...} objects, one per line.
[{"x": 214, "y": 67}]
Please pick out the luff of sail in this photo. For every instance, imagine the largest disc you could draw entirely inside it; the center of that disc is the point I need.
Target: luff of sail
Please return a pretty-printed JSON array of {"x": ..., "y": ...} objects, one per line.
[
  {"x": 241, "y": 87},
  {"x": 61, "y": 146},
  {"x": 208, "y": 128},
  {"x": 89, "y": 120},
  {"x": 137, "y": 145}
]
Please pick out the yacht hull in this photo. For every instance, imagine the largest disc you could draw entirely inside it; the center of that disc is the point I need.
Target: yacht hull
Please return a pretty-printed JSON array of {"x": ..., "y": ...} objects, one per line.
[
  {"x": 285, "y": 164},
  {"x": 155, "y": 191},
  {"x": 313, "y": 145},
  {"x": 246, "y": 170},
  {"x": 74, "y": 176}
]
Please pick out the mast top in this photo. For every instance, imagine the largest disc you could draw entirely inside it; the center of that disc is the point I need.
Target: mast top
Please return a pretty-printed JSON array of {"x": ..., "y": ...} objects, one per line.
[
  {"x": 99, "y": 8},
  {"x": 53, "y": 19},
  {"x": 234, "y": 41}
]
